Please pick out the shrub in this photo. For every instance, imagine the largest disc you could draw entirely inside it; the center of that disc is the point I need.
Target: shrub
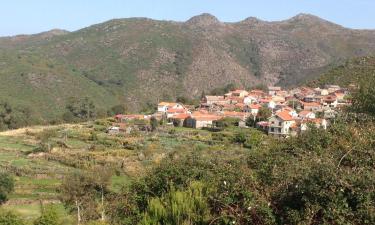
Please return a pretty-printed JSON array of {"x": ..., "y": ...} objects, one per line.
[{"x": 6, "y": 186}]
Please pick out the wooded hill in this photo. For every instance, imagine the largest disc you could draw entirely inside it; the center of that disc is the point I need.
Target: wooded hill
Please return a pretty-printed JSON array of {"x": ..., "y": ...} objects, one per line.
[{"x": 139, "y": 61}]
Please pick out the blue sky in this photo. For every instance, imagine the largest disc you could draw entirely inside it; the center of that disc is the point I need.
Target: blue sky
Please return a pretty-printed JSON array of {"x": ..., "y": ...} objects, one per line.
[{"x": 33, "y": 16}]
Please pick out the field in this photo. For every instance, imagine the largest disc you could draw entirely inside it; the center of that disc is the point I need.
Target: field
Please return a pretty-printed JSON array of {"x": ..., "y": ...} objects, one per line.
[{"x": 40, "y": 157}]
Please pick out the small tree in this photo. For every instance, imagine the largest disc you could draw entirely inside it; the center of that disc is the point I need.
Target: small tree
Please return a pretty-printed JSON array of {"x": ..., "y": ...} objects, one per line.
[
  {"x": 83, "y": 109},
  {"x": 117, "y": 109},
  {"x": 264, "y": 113},
  {"x": 153, "y": 123},
  {"x": 364, "y": 97},
  {"x": 84, "y": 193},
  {"x": 6, "y": 187}
]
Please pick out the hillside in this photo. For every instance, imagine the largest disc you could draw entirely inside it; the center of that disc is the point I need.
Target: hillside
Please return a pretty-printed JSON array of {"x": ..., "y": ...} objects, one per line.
[
  {"x": 353, "y": 71},
  {"x": 138, "y": 61}
]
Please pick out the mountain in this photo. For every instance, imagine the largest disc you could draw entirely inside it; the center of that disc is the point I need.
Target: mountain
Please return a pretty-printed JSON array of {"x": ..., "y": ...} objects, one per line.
[
  {"x": 353, "y": 72},
  {"x": 139, "y": 61}
]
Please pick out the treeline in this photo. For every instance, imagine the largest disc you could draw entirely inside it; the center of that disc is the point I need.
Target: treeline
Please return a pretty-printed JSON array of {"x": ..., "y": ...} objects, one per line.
[
  {"x": 76, "y": 110},
  {"x": 15, "y": 117}
]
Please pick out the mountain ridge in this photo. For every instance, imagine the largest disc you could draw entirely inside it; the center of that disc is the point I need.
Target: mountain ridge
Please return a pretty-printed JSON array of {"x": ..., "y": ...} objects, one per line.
[
  {"x": 140, "y": 61},
  {"x": 202, "y": 15}
]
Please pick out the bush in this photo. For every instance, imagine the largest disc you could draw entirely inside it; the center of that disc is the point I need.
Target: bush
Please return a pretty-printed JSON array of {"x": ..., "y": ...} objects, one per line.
[
  {"x": 6, "y": 187},
  {"x": 49, "y": 217}
]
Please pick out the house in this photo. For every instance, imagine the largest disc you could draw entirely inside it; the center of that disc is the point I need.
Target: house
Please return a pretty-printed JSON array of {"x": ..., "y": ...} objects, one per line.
[
  {"x": 178, "y": 120},
  {"x": 175, "y": 111},
  {"x": 267, "y": 102},
  {"x": 257, "y": 94},
  {"x": 237, "y": 93},
  {"x": 249, "y": 100},
  {"x": 201, "y": 120},
  {"x": 280, "y": 124},
  {"x": 340, "y": 97},
  {"x": 273, "y": 90},
  {"x": 210, "y": 100},
  {"x": 235, "y": 99},
  {"x": 311, "y": 106},
  {"x": 290, "y": 110},
  {"x": 165, "y": 106},
  {"x": 330, "y": 101},
  {"x": 253, "y": 109},
  {"x": 306, "y": 115}
]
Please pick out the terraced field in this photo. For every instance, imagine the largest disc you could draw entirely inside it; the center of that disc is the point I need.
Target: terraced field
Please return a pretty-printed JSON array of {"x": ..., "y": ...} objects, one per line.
[{"x": 39, "y": 157}]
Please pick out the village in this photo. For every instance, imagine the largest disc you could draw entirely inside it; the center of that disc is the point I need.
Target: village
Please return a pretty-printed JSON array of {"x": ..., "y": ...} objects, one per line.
[{"x": 277, "y": 112}]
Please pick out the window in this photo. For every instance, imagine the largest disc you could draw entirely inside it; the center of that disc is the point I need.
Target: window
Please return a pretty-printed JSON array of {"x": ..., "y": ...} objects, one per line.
[{"x": 280, "y": 123}]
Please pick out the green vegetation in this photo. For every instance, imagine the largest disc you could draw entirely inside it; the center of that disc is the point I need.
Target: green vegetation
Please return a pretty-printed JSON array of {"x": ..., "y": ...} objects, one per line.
[
  {"x": 364, "y": 97},
  {"x": 137, "y": 62},
  {"x": 6, "y": 187},
  {"x": 9, "y": 218},
  {"x": 349, "y": 74},
  {"x": 65, "y": 174}
]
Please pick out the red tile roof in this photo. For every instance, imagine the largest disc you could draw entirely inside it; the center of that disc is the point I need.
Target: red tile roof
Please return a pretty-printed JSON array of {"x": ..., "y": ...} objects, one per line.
[
  {"x": 284, "y": 115},
  {"x": 181, "y": 116},
  {"x": 176, "y": 111},
  {"x": 304, "y": 113}
]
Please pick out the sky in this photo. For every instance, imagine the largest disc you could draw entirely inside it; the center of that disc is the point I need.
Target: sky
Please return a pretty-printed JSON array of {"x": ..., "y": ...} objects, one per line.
[{"x": 34, "y": 16}]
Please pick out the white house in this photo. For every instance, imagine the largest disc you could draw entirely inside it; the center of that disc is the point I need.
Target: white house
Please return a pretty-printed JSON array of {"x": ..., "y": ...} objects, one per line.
[
  {"x": 249, "y": 100},
  {"x": 165, "y": 106},
  {"x": 273, "y": 90},
  {"x": 280, "y": 124},
  {"x": 306, "y": 115},
  {"x": 271, "y": 104}
]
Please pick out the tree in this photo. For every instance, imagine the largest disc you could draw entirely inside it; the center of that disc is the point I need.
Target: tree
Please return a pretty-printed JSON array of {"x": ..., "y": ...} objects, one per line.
[
  {"x": 6, "y": 187},
  {"x": 264, "y": 113},
  {"x": 49, "y": 217},
  {"x": 364, "y": 97},
  {"x": 84, "y": 193},
  {"x": 82, "y": 109},
  {"x": 154, "y": 123},
  {"x": 14, "y": 117},
  {"x": 9, "y": 218},
  {"x": 117, "y": 109}
]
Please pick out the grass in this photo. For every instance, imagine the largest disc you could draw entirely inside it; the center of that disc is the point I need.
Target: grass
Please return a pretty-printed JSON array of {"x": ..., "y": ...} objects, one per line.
[
  {"x": 14, "y": 143},
  {"x": 30, "y": 212}
]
